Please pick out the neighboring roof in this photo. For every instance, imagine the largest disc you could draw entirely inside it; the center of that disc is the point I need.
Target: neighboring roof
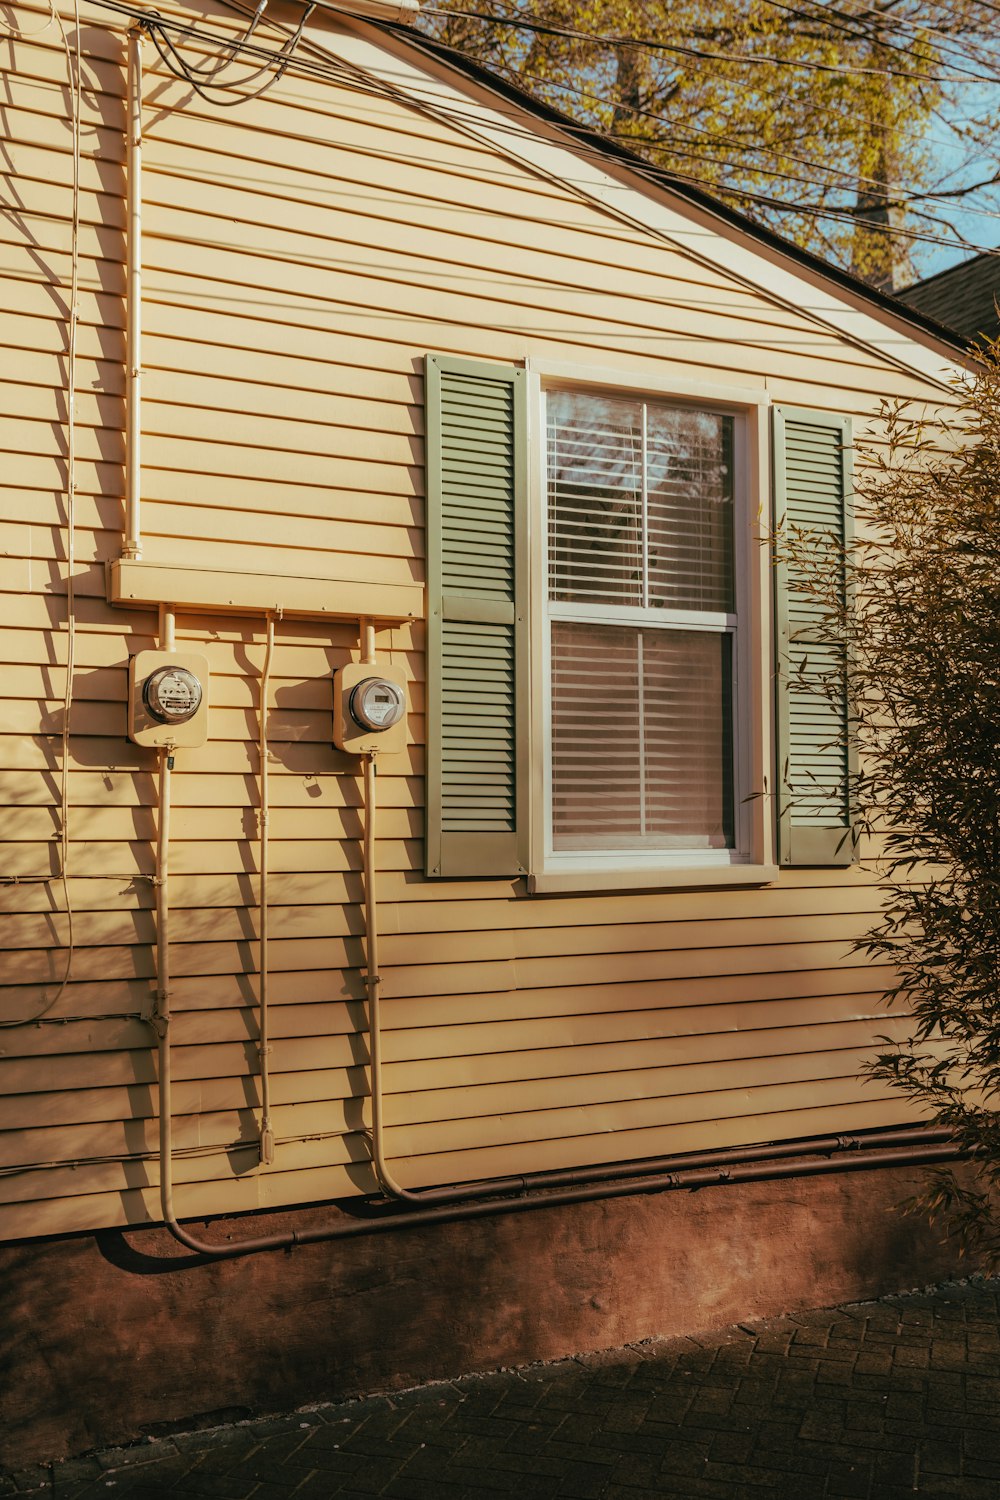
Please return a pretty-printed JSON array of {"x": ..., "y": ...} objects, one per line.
[
  {"x": 924, "y": 318},
  {"x": 964, "y": 297}
]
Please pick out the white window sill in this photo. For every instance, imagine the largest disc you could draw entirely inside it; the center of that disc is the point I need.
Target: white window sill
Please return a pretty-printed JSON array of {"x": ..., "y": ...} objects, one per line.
[{"x": 689, "y": 878}]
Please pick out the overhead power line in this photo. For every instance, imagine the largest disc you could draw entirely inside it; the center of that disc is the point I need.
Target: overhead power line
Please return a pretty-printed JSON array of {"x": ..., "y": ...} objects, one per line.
[
  {"x": 902, "y": 197},
  {"x": 653, "y": 44},
  {"x": 349, "y": 77},
  {"x": 896, "y": 197}
]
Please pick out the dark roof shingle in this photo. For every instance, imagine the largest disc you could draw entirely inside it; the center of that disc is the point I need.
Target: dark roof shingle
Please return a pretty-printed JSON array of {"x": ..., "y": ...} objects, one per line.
[{"x": 964, "y": 297}]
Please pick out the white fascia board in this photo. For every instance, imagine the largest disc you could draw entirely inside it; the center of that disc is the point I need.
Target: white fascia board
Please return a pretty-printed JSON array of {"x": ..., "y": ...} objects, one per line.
[{"x": 544, "y": 150}]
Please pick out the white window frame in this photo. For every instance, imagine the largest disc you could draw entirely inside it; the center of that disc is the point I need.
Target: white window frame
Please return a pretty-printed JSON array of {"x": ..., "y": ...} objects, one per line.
[{"x": 752, "y": 862}]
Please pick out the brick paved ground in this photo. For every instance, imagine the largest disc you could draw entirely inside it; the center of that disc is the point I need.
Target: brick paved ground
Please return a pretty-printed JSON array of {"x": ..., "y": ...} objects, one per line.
[{"x": 881, "y": 1400}]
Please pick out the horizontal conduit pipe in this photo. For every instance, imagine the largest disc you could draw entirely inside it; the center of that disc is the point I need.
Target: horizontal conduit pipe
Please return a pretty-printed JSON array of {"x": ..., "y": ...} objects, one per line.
[{"x": 727, "y": 1172}]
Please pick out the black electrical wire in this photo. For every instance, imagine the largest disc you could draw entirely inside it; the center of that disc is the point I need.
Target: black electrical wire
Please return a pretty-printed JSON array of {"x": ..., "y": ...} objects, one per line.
[
  {"x": 851, "y": 181},
  {"x": 229, "y": 52},
  {"x": 652, "y": 44},
  {"x": 347, "y": 77},
  {"x": 853, "y": 29},
  {"x": 744, "y": 195},
  {"x": 196, "y": 78}
]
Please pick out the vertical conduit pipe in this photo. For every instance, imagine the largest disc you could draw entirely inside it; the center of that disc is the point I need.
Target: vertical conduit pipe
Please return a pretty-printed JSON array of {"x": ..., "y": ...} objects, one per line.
[
  {"x": 373, "y": 979},
  {"x": 161, "y": 1004},
  {"x": 373, "y": 982},
  {"x": 263, "y": 1042},
  {"x": 133, "y": 297}
]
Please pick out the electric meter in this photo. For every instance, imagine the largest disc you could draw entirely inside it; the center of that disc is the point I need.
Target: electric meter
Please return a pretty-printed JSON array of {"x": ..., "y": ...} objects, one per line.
[
  {"x": 377, "y": 703},
  {"x": 168, "y": 699},
  {"x": 369, "y": 708},
  {"x": 172, "y": 694}
]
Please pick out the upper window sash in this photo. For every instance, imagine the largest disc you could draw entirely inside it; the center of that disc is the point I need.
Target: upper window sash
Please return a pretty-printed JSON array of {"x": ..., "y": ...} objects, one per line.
[{"x": 639, "y": 503}]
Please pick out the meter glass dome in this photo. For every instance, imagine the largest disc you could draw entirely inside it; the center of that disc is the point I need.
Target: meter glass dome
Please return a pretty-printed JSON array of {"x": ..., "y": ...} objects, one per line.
[
  {"x": 377, "y": 703},
  {"x": 172, "y": 695}
]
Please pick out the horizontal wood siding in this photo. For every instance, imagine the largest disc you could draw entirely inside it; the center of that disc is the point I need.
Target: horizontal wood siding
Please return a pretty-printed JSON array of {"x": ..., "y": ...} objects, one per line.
[{"x": 301, "y": 254}]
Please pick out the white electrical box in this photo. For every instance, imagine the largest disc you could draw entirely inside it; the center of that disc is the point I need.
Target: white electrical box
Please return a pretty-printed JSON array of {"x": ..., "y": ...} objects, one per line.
[
  {"x": 369, "y": 708},
  {"x": 168, "y": 699}
]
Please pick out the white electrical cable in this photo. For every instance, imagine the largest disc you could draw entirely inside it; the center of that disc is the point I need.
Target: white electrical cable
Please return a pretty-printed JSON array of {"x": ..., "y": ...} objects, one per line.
[{"x": 26, "y": 36}]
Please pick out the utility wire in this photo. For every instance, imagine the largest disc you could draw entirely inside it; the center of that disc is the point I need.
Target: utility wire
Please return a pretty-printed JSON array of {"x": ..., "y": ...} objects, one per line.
[
  {"x": 331, "y": 69},
  {"x": 895, "y": 200},
  {"x": 197, "y": 77},
  {"x": 840, "y": 214},
  {"x": 899, "y": 199},
  {"x": 211, "y": 70},
  {"x": 652, "y": 44},
  {"x": 852, "y": 27},
  {"x": 27, "y": 36},
  {"x": 351, "y": 78},
  {"x": 851, "y": 181}
]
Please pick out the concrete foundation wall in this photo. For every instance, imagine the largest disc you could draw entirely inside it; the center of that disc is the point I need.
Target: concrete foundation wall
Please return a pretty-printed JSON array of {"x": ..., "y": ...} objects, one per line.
[{"x": 121, "y": 1334}]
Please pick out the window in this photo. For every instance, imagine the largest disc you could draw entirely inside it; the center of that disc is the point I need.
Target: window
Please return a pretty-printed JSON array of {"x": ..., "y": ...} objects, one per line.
[
  {"x": 641, "y": 624},
  {"x": 605, "y": 661}
]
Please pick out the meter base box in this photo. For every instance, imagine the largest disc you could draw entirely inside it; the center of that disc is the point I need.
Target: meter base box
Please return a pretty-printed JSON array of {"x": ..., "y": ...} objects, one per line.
[
  {"x": 142, "y": 727},
  {"x": 348, "y": 734}
]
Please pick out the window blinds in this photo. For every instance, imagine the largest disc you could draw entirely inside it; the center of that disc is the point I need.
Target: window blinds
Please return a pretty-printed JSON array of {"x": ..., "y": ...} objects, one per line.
[
  {"x": 640, "y": 504},
  {"x": 640, "y": 518},
  {"x": 641, "y": 738}
]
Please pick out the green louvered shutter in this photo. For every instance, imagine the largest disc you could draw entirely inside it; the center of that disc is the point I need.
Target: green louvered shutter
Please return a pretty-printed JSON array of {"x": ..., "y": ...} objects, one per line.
[
  {"x": 477, "y": 751},
  {"x": 816, "y": 756}
]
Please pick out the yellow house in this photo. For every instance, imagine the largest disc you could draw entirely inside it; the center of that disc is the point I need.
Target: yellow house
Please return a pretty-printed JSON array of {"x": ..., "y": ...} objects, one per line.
[{"x": 363, "y": 416}]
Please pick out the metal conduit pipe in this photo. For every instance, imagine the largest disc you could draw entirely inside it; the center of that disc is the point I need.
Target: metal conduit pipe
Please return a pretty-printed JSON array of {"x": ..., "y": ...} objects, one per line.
[
  {"x": 132, "y": 546},
  {"x": 167, "y": 627},
  {"x": 373, "y": 977},
  {"x": 263, "y": 1040},
  {"x": 373, "y": 982},
  {"x": 804, "y": 1158},
  {"x": 160, "y": 1019},
  {"x": 734, "y": 1172}
]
